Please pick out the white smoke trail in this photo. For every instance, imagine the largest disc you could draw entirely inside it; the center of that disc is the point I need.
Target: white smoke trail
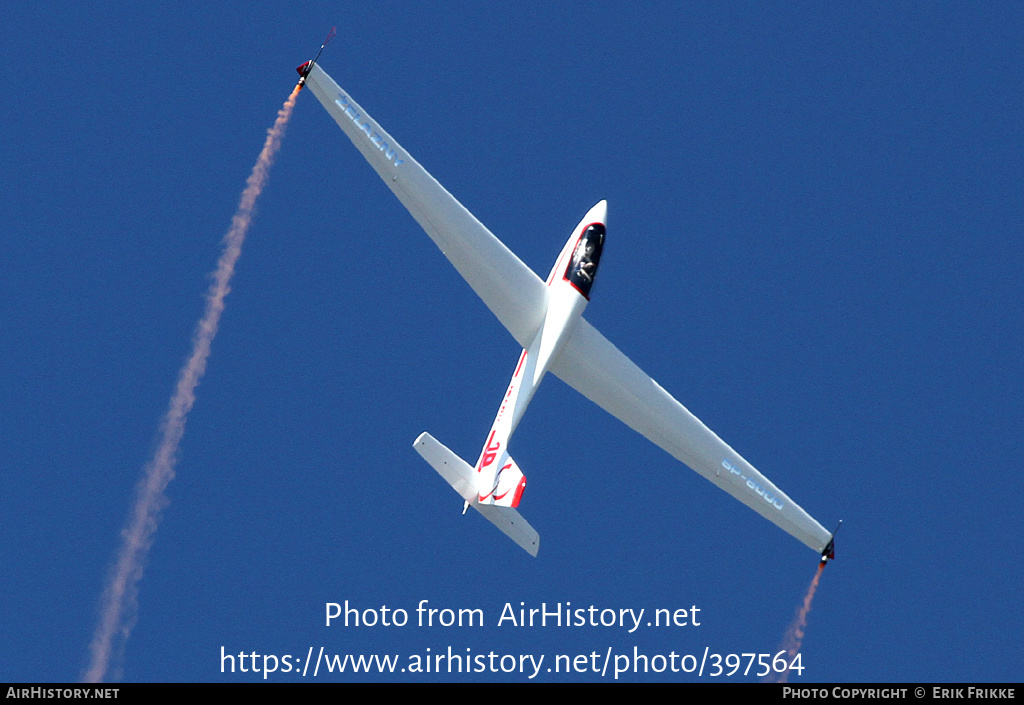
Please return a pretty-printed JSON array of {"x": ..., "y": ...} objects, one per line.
[
  {"x": 794, "y": 637},
  {"x": 119, "y": 602}
]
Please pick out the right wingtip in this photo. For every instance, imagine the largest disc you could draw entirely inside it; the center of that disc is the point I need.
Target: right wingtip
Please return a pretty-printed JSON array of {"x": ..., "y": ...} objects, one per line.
[{"x": 829, "y": 554}]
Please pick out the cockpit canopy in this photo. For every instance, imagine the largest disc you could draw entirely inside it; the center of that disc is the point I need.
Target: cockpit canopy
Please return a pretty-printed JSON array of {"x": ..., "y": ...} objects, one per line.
[{"x": 583, "y": 265}]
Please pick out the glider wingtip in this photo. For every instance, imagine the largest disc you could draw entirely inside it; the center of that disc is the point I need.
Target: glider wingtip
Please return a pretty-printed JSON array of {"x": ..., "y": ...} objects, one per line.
[{"x": 829, "y": 553}]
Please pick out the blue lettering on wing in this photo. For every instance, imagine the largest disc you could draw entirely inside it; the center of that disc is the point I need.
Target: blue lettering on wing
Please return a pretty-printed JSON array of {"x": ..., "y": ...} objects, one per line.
[
  {"x": 764, "y": 493},
  {"x": 761, "y": 491},
  {"x": 364, "y": 125}
]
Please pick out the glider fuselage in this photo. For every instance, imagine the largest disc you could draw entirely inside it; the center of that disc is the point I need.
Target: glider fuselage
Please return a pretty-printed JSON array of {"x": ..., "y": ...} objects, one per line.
[{"x": 498, "y": 478}]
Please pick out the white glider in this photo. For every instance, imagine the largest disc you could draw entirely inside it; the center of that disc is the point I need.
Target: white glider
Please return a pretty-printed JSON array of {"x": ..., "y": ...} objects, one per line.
[{"x": 546, "y": 319}]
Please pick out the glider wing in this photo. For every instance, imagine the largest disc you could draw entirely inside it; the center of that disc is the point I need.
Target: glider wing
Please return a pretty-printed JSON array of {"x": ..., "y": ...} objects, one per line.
[
  {"x": 595, "y": 368},
  {"x": 509, "y": 288}
]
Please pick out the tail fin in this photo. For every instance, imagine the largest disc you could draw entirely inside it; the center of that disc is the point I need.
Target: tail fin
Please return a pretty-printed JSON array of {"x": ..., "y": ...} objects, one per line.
[
  {"x": 508, "y": 485},
  {"x": 459, "y": 475}
]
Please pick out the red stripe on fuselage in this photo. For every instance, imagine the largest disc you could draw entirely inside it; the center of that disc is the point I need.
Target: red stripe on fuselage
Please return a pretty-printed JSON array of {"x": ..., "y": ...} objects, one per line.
[{"x": 522, "y": 359}]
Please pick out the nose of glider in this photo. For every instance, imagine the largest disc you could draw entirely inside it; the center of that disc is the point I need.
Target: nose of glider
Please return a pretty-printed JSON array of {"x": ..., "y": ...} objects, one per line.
[
  {"x": 598, "y": 214},
  {"x": 305, "y": 68}
]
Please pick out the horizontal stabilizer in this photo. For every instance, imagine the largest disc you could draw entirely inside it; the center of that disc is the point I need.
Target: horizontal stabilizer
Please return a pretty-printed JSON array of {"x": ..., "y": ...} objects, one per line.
[{"x": 458, "y": 473}]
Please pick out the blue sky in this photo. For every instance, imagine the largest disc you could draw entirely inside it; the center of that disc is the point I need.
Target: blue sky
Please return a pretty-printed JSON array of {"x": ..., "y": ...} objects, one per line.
[{"x": 814, "y": 243}]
